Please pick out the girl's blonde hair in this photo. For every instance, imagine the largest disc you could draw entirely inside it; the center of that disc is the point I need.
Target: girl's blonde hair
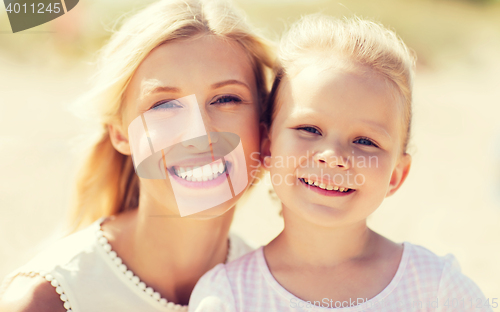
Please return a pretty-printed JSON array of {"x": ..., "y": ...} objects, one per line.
[
  {"x": 351, "y": 43},
  {"x": 107, "y": 183}
]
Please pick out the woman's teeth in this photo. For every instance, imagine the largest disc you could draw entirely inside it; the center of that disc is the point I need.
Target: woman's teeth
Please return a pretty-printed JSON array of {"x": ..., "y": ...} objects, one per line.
[
  {"x": 203, "y": 173},
  {"x": 324, "y": 186}
]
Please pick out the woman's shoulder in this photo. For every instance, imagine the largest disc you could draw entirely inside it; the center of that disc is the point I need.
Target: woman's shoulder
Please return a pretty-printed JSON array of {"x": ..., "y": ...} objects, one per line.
[
  {"x": 37, "y": 283},
  {"x": 31, "y": 294},
  {"x": 64, "y": 250}
]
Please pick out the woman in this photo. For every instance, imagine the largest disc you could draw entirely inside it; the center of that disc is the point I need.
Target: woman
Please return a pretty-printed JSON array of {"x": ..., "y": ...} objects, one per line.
[{"x": 139, "y": 254}]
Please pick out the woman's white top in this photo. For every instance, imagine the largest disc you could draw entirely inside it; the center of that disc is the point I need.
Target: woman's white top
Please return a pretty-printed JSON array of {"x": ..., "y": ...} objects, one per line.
[
  {"x": 90, "y": 276},
  {"x": 423, "y": 282}
]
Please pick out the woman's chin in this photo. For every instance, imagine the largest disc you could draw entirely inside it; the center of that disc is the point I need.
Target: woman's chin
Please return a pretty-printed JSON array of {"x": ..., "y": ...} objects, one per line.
[{"x": 214, "y": 212}]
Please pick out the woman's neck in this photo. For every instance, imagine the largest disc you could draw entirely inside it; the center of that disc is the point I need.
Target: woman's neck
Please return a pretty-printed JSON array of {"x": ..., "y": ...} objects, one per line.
[{"x": 170, "y": 253}]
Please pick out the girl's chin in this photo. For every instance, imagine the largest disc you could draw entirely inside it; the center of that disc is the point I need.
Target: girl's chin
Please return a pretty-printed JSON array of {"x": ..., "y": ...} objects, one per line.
[{"x": 304, "y": 211}]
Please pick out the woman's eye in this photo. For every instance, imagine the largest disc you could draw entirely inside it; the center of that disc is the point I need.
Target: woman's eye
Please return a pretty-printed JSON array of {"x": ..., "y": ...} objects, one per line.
[
  {"x": 365, "y": 141},
  {"x": 166, "y": 105},
  {"x": 310, "y": 130},
  {"x": 227, "y": 100}
]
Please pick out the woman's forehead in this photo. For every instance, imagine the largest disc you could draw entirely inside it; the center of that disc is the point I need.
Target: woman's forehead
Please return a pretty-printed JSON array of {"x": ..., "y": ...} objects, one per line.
[{"x": 206, "y": 59}]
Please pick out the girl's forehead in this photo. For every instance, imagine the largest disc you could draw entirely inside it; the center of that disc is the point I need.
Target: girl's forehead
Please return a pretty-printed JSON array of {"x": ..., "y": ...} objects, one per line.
[{"x": 342, "y": 96}]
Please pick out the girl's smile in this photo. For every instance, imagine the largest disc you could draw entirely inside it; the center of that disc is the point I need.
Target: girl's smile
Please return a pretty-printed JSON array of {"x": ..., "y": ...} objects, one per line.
[
  {"x": 326, "y": 189},
  {"x": 326, "y": 119}
]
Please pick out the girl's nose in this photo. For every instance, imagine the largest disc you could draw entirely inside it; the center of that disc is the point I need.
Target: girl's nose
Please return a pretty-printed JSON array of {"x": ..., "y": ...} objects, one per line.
[{"x": 331, "y": 159}]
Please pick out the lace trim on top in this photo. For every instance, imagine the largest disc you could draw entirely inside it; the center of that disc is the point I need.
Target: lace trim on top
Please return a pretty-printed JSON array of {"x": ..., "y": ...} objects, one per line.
[
  {"x": 103, "y": 242},
  {"x": 53, "y": 281}
]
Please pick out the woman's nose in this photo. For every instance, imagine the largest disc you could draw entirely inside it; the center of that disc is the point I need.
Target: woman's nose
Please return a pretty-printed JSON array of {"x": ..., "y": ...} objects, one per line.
[
  {"x": 214, "y": 137},
  {"x": 195, "y": 134},
  {"x": 332, "y": 158}
]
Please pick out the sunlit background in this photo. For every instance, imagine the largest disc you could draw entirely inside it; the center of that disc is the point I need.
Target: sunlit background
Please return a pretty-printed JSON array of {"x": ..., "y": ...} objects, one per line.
[{"x": 450, "y": 202}]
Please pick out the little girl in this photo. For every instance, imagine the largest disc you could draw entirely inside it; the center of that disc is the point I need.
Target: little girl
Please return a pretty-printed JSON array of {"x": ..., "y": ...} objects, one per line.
[{"x": 335, "y": 144}]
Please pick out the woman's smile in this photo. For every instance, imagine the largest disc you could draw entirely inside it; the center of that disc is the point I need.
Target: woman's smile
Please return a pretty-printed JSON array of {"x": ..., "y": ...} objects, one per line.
[{"x": 201, "y": 177}]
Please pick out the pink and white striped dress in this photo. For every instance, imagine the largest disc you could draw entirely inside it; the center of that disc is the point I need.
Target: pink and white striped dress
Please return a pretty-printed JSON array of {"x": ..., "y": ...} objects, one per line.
[{"x": 423, "y": 282}]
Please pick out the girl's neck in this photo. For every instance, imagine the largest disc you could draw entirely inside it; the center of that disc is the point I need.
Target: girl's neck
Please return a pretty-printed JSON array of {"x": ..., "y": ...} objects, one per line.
[
  {"x": 170, "y": 253},
  {"x": 303, "y": 244}
]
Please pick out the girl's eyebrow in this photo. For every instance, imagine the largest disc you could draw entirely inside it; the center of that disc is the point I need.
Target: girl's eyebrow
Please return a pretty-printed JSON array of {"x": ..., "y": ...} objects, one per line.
[{"x": 377, "y": 128}]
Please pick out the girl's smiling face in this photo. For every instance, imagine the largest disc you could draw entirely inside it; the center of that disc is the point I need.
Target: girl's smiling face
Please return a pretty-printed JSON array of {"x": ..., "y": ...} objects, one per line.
[{"x": 336, "y": 129}]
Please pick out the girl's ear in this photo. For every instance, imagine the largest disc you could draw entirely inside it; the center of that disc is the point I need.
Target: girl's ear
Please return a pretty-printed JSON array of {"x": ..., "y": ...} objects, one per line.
[
  {"x": 118, "y": 138},
  {"x": 399, "y": 174},
  {"x": 265, "y": 146}
]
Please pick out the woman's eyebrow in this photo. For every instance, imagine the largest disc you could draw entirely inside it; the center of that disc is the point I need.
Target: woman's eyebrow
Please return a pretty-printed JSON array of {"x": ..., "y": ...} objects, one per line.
[
  {"x": 153, "y": 86},
  {"x": 229, "y": 82}
]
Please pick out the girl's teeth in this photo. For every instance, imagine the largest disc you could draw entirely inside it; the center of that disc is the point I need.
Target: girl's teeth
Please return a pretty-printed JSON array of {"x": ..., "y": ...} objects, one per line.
[
  {"x": 326, "y": 187},
  {"x": 221, "y": 167}
]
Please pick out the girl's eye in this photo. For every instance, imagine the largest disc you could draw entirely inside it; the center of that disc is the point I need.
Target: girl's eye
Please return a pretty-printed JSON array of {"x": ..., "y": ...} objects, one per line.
[
  {"x": 227, "y": 99},
  {"x": 166, "y": 105},
  {"x": 310, "y": 130},
  {"x": 365, "y": 141}
]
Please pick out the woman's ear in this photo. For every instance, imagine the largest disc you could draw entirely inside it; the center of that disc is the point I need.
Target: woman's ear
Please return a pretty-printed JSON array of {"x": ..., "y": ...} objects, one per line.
[
  {"x": 265, "y": 146},
  {"x": 399, "y": 174},
  {"x": 118, "y": 138}
]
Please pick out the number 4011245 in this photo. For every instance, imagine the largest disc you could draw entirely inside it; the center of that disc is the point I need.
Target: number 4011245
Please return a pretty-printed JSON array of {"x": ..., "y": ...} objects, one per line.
[
  {"x": 40, "y": 8},
  {"x": 478, "y": 303}
]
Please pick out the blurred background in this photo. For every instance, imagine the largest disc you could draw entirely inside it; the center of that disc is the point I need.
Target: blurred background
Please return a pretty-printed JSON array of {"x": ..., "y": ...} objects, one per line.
[{"x": 450, "y": 202}]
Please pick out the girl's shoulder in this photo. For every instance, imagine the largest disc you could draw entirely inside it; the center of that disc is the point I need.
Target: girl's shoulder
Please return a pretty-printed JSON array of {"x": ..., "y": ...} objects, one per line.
[
  {"x": 218, "y": 289},
  {"x": 239, "y": 247},
  {"x": 423, "y": 261},
  {"x": 441, "y": 276}
]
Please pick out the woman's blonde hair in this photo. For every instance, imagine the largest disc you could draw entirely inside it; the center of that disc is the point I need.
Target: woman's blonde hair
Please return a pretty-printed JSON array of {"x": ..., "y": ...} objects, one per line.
[
  {"x": 350, "y": 43},
  {"x": 107, "y": 183}
]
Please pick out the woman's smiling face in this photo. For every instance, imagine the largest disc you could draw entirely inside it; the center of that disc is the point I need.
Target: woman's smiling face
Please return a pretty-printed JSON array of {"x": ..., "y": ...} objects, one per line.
[
  {"x": 335, "y": 145},
  {"x": 220, "y": 76}
]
